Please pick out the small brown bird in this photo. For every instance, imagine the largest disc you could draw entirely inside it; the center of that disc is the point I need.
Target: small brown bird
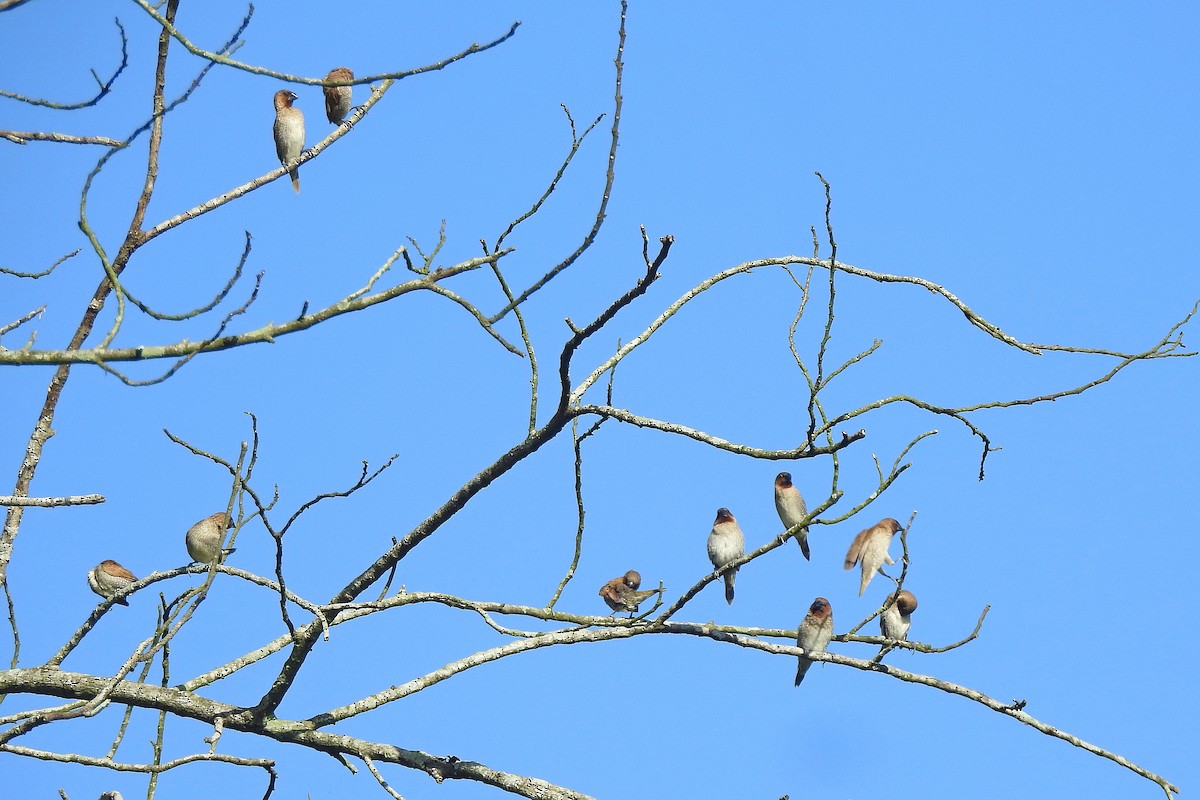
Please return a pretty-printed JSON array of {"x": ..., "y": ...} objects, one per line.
[
  {"x": 726, "y": 543},
  {"x": 871, "y": 548},
  {"x": 108, "y": 578},
  {"x": 203, "y": 539},
  {"x": 792, "y": 509},
  {"x": 814, "y": 634},
  {"x": 337, "y": 98},
  {"x": 896, "y": 619},
  {"x": 621, "y": 594},
  {"x": 289, "y": 132}
]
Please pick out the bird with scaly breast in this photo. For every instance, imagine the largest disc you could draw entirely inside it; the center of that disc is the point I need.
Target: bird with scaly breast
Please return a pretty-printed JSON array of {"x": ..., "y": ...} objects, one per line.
[
  {"x": 792, "y": 510},
  {"x": 726, "y": 544},
  {"x": 289, "y": 132},
  {"x": 814, "y": 634}
]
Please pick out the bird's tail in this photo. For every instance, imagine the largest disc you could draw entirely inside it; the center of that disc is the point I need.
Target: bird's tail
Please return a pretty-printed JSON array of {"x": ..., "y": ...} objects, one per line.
[
  {"x": 802, "y": 539},
  {"x": 802, "y": 669},
  {"x": 729, "y": 576},
  {"x": 295, "y": 173}
]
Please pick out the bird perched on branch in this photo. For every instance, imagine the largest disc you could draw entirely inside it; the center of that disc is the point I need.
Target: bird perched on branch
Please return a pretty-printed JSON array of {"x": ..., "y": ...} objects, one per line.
[
  {"x": 896, "y": 619},
  {"x": 870, "y": 547},
  {"x": 289, "y": 132},
  {"x": 621, "y": 594},
  {"x": 337, "y": 98},
  {"x": 203, "y": 539},
  {"x": 726, "y": 543},
  {"x": 791, "y": 508},
  {"x": 814, "y": 634},
  {"x": 108, "y": 578}
]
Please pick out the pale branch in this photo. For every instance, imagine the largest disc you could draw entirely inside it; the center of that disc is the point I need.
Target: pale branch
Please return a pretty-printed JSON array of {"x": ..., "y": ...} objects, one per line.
[
  {"x": 524, "y": 645},
  {"x": 526, "y": 341},
  {"x": 1008, "y": 709},
  {"x": 158, "y": 744},
  {"x": 36, "y": 275},
  {"x": 640, "y": 339},
  {"x": 266, "y": 334},
  {"x": 23, "y": 137},
  {"x": 487, "y": 326},
  {"x": 364, "y": 479},
  {"x": 576, "y": 143},
  {"x": 72, "y": 685},
  {"x": 1163, "y": 348},
  {"x": 516, "y": 633},
  {"x": 220, "y": 58},
  {"x": 383, "y": 784},
  {"x": 134, "y": 237},
  {"x": 179, "y": 363},
  {"x": 609, "y": 178},
  {"x": 155, "y": 577},
  {"x": 571, "y": 397},
  {"x": 11, "y": 326},
  {"x": 53, "y": 502},
  {"x": 230, "y": 195},
  {"x": 12, "y": 622},
  {"x": 353, "y": 611},
  {"x": 818, "y": 383},
  {"x": 804, "y": 451},
  {"x": 584, "y": 635},
  {"x": 30, "y": 720},
  {"x": 219, "y": 298},
  {"x": 427, "y": 258},
  {"x": 105, "y": 86},
  {"x": 123, "y": 766},
  {"x": 580, "y": 514}
]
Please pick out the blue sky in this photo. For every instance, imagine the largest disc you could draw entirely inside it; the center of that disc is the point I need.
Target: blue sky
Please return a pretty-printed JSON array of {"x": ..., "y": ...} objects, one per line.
[{"x": 1038, "y": 160}]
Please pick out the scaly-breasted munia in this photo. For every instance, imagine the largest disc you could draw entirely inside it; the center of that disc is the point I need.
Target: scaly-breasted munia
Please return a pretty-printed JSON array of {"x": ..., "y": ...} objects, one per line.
[
  {"x": 108, "y": 578},
  {"x": 337, "y": 98},
  {"x": 896, "y": 619},
  {"x": 816, "y": 630},
  {"x": 203, "y": 539},
  {"x": 871, "y": 548},
  {"x": 791, "y": 508},
  {"x": 289, "y": 132},
  {"x": 621, "y": 594},
  {"x": 726, "y": 543}
]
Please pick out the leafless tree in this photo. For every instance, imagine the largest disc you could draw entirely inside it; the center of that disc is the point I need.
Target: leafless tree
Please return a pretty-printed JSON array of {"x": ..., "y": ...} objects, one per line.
[{"x": 571, "y": 402}]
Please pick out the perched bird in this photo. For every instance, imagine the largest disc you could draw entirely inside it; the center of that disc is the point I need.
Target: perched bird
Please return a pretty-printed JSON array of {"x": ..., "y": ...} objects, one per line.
[
  {"x": 896, "y": 619},
  {"x": 871, "y": 548},
  {"x": 108, "y": 578},
  {"x": 726, "y": 543},
  {"x": 337, "y": 98},
  {"x": 289, "y": 132},
  {"x": 621, "y": 594},
  {"x": 203, "y": 539},
  {"x": 791, "y": 508},
  {"x": 816, "y": 629}
]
